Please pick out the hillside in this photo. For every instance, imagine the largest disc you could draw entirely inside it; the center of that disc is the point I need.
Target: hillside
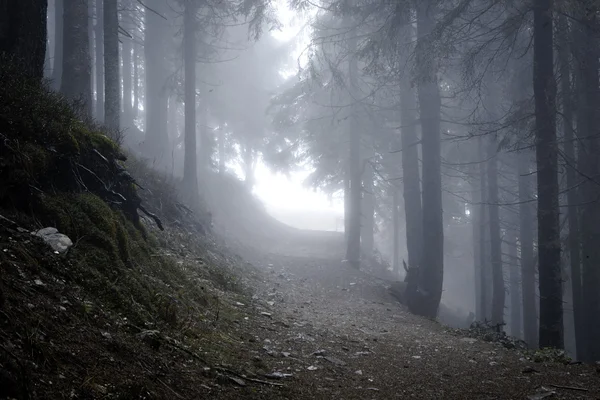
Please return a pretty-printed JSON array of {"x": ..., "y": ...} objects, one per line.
[{"x": 153, "y": 304}]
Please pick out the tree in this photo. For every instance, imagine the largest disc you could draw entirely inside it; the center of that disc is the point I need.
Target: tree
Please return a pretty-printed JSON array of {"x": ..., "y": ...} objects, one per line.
[
  {"x": 58, "y": 44},
  {"x": 586, "y": 56},
  {"x": 190, "y": 169},
  {"x": 574, "y": 240},
  {"x": 354, "y": 167},
  {"x": 544, "y": 86},
  {"x": 432, "y": 259},
  {"x": 410, "y": 172},
  {"x": 76, "y": 71},
  {"x": 23, "y": 34},
  {"x": 112, "y": 81},
  {"x": 156, "y": 68},
  {"x": 99, "y": 55}
]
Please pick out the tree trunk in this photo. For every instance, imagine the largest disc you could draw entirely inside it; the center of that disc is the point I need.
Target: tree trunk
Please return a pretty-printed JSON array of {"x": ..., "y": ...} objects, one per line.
[
  {"x": 516, "y": 316},
  {"x": 58, "y": 44},
  {"x": 155, "y": 51},
  {"x": 485, "y": 273},
  {"x": 432, "y": 262},
  {"x": 76, "y": 72},
  {"x": 574, "y": 238},
  {"x": 476, "y": 221},
  {"x": 23, "y": 34},
  {"x": 136, "y": 81},
  {"x": 127, "y": 119},
  {"x": 190, "y": 168},
  {"x": 589, "y": 153},
  {"x": 91, "y": 43},
  {"x": 205, "y": 140},
  {"x": 355, "y": 181},
  {"x": 550, "y": 277},
  {"x": 526, "y": 242},
  {"x": 396, "y": 234},
  {"x": 99, "y": 55},
  {"x": 498, "y": 289},
  {"x": 410, "y": 173},
  {"x": 112, "y": 82},
  {"x": 368, "y": 210},
  {"x": 346, "y": 199}
]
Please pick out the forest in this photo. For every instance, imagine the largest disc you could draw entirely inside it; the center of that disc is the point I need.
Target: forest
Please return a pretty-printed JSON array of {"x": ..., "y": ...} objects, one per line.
[{"x": 461, "y": 137}]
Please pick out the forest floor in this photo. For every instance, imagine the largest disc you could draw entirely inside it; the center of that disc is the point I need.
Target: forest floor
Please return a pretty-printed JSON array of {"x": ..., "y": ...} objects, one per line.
[
  {"x": 308, "y": 326},
  {"x": 332, "y": 332}
]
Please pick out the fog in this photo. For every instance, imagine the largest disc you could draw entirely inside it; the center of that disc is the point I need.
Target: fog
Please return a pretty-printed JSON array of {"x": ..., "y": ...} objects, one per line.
[{"x": 415, "y": 133}]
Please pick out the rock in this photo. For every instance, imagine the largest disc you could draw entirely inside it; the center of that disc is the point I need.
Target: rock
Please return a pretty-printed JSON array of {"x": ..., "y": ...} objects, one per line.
[
  {"x": 237, "y": 381},
  {"x": 335, "y": 361},
  {"x": 59, "y": 242}
]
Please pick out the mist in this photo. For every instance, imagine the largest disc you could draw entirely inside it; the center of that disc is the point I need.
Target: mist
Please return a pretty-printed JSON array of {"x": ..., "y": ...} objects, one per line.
[{"x": 434, "y": 157}]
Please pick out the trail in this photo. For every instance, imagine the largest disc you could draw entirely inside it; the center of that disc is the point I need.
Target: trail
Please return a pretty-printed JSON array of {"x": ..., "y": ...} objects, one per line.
[{"x": 340, "y": 335}]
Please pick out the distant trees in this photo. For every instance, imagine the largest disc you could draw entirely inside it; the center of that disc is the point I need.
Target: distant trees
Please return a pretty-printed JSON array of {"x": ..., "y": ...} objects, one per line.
[
  {"x": 23, "y": 34},
  {"x": 437, "y": 129}
]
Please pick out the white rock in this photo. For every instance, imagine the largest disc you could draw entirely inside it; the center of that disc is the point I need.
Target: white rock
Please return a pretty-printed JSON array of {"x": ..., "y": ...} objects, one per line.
[{"x": 59, "y": 242}]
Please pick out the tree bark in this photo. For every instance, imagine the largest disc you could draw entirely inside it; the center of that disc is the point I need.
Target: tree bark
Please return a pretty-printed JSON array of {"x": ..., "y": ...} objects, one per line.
[
  {"x": 544, "y": 86},
  {"x": 368, "y": 210},
  {"x": 155, "y": 51},
  {"x": 516, "y": 316},
  {"x": 589, "y": 167},
  {"x": 485, "y": 273},
  {"x": 396, "y": 234},
  {"x": 112, "y": 81},
  {"x": 99, "y": 55},
  {"x": 574, "y": 238},
  {"x": 498, "y": 289},
  {"x": 190, "y": 168},
  {"x": 354, "y": 158},
  {"x": 58, "y": 44},
  {"x": 136, "y": 80},
  {"x": 77, "y": 72},
  {"x": 410, "y": 173},
  {"x": 526, "y": 199},
  {"x": 23, "y": 35},
  {"x": 127, "y": 118},
  {"x": 427, "y": 298},
  {"x": 476, "y": 221}
]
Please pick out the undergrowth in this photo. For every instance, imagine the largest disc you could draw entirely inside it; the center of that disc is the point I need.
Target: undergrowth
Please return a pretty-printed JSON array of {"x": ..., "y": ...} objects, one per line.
[{"x": 59, "y": 169}]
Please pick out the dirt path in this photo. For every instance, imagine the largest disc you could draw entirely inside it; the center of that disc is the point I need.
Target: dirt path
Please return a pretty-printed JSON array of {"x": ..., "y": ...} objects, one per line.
[{"x": 326, "y": 331}]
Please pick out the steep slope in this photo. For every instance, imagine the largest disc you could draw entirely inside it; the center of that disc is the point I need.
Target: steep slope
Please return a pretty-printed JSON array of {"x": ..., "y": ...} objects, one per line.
[{"x": 129, "y": 310}]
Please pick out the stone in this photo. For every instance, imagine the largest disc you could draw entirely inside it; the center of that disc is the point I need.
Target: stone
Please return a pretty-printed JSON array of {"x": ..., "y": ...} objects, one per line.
[{"x": 59, "y": 242}]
